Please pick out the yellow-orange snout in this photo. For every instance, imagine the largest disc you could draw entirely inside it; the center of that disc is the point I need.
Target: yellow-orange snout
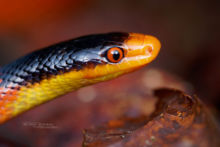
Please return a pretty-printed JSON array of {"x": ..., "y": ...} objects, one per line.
[
  {"x": 140, "y": 49},
  {"x": 143, "y": 46}
]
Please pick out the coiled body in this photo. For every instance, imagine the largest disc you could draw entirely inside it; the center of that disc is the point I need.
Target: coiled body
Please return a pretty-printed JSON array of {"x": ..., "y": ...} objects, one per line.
[{"x": 58, "y": 69}]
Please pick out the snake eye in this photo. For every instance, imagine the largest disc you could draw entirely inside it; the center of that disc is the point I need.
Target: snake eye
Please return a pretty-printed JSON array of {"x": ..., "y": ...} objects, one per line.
[{"x": 115, "y": 54}]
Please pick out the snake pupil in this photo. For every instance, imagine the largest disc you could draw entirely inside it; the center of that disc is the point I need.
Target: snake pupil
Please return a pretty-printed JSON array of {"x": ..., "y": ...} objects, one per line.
[{"x": 116, "y": 55}]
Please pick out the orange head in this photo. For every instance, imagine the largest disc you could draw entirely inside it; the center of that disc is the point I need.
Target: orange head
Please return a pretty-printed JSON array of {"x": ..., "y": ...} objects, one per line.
[{"x": 123, "y": 56}]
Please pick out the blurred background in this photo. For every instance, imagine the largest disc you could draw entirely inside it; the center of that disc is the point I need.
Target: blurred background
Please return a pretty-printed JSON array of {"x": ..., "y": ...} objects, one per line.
[{"x": 188, "y": 30}]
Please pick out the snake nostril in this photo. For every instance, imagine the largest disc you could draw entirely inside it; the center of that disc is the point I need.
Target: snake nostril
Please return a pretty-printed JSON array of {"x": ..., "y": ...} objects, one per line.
[{"x": 150, "y": 49}]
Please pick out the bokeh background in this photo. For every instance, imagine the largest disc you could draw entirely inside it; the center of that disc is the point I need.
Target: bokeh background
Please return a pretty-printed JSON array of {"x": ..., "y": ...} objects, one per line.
[{"x": 188, "y": 30}]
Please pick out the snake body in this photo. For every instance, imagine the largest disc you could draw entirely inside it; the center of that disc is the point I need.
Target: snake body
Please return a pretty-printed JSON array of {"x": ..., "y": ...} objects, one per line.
[{"x": 64, "y": 67}]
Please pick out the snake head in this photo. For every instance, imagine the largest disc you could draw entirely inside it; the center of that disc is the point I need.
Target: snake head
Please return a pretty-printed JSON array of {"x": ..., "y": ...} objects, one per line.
[{"x": 123, "y": 53}]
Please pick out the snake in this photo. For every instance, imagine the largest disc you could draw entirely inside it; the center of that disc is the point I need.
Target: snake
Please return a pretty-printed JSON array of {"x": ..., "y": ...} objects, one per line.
[{"x": 56, "y": 70}]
